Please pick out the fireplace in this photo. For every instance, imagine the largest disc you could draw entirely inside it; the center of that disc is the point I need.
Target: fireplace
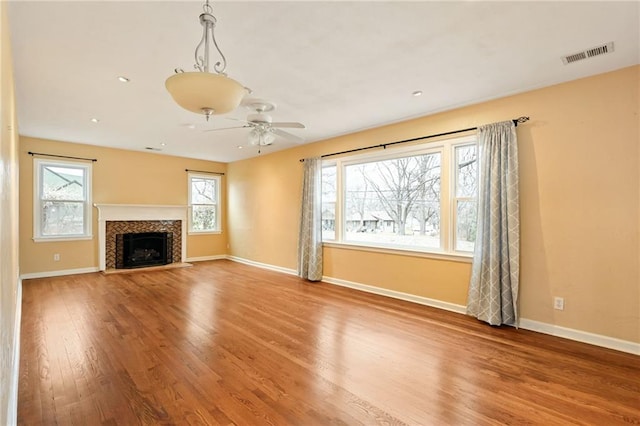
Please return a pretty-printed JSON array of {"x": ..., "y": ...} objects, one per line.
[
  {"x": 114, "y": 254},
  {"x": 114, "y": 219},
  {"x": 141, "y": 249}
]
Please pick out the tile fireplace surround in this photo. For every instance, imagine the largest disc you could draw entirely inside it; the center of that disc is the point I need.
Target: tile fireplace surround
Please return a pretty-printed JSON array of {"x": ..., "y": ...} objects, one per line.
[{"x": 139, "y": 218}]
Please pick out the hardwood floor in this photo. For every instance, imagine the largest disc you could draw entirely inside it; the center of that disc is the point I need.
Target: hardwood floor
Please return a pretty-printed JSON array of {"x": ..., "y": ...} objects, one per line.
[{"x": 226, "y": 343}]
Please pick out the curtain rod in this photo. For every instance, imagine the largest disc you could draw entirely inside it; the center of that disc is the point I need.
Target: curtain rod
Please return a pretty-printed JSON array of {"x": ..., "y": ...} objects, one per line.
[
  {"x": 516, "y": 121},
  {"x": 204, "y": 171},
  {"x": 62, "y": 156}
]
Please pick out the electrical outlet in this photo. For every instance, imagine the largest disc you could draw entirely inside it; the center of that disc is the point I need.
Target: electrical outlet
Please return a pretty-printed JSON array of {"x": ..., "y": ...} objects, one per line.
[
  {"x": 558, "y": 303},
  {"x": 56, "y": 257}
]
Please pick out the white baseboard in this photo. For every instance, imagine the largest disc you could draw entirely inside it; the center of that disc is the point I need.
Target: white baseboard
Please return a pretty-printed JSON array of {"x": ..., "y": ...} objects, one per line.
[
  {"x": 581, "y": 336},
  {"x": 12, "y": 412},
  {"x": 59, "y": 273},
  {"x": 527, "y": 324},
  {"x": 362, "y": 287},
  {"x": 205, "y": 258},
  {"x": 62, "y": 272},
  {"x": 397, "y": 295},
  {"x": 263, "y": 265}
]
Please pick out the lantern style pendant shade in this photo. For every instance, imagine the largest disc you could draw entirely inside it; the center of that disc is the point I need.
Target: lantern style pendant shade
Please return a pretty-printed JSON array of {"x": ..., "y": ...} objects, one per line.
[{"x": 205, "y": 93}]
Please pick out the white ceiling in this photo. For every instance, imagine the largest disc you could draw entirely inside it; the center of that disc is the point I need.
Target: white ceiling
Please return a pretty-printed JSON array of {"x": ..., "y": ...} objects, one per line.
[{"x": 337, "y": 67}]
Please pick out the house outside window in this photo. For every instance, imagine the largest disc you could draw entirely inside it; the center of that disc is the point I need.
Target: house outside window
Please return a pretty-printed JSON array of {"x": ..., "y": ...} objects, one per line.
[
  {"x": 62, "y": 200},
  {"x": 204, "y": 203},
  {"x": 419, "y": 198}
]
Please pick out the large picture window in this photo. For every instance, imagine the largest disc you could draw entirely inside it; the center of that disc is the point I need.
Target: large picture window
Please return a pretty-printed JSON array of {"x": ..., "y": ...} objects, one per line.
[
  {"x": 418, "y": 198},
  {"x": 62, "y": 200},
  {"x": 204, "y": 203}
]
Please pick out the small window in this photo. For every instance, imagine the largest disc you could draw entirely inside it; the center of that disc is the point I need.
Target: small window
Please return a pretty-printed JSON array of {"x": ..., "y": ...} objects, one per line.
[
  {"x": 466, "y": 199},
  {"x": 204, "y": 203},
  {"x": 62, "y": 200}
]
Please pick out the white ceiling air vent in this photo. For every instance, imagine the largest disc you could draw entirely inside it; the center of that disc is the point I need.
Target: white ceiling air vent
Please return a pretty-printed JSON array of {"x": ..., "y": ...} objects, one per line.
[{"x": 589, "y": 53}]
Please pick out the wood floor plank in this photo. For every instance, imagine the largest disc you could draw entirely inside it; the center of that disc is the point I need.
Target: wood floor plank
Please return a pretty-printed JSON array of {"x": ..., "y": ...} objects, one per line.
[{"x": 226, "y": 343}]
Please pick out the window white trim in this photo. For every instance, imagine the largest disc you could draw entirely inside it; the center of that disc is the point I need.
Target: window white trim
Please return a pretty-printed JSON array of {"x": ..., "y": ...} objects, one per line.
[
  {"x": 87, "y": 220},
  {"x": 448, "y": 199},
  {"x": 428, "y": 254},
  {"x": 59, "y": 239},
  {"x": 191, "y": 232},
  {"x": 217, "y": 229}
]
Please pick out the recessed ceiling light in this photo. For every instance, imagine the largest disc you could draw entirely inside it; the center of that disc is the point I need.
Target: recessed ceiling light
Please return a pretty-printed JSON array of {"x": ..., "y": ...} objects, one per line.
[
  {"x": 123, "y": 79},
  {"x": 94, "y": 120},
  {"x": 240, "y": 146},
  {"x": 163, "y": 144},
  {"x": 417, "y": 93}
]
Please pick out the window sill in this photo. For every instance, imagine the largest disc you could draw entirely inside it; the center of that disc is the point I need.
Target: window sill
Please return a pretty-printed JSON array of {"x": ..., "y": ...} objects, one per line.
[
  {"x": 454, "y": 257},
  {"x": 59, "y": 239},
  {"x": 204, "y": 232}
]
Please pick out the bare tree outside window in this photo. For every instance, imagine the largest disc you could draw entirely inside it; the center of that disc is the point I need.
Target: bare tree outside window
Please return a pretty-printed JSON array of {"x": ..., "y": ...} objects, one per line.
[
  {"x": 395, "y": 200},
  {"x": 404, "y": 198},
  {"x": 360, "y": 201},
  {"x": 204, "y": 204},
  {"x": 466, "y": 196}
]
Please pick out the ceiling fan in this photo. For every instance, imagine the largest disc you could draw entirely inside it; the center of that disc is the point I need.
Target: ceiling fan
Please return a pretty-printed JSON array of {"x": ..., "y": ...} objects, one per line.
[{"x": 263, "y": 129}]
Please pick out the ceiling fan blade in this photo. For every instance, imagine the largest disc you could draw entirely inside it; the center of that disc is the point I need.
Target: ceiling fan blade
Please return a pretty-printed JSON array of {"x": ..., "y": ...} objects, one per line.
[
  {"x": 236, "y": 119},
  {"x": 291, "y": 125},
  {"x": 225, "y": 128},
  {"x": 287, "y": 135}
]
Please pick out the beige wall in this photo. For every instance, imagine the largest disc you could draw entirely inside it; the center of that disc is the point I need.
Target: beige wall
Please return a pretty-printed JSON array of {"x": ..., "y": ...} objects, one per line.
[
  {"x": 579, "y": 187},
  {"x": 119, "y": 177},
  {"x": 9, "y": 282}
]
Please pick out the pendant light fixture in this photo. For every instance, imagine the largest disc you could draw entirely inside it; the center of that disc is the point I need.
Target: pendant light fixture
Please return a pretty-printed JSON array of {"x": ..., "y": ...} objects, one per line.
[{"x": 202, "y": 91}]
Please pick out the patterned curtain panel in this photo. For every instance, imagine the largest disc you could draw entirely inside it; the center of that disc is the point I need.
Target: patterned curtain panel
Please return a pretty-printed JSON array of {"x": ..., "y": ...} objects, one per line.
[
  {"x": 493, "y": 291},
  {"x": 310, "y": 239}
]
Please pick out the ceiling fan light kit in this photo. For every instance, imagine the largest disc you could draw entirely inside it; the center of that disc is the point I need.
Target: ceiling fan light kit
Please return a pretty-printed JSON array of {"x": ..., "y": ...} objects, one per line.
[
  {"x": 261, "y": 137},
  {"x": 202, "y": 91}
]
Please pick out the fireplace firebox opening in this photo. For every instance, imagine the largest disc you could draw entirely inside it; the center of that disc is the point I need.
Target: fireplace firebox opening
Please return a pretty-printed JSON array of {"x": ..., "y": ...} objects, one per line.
[{"x": 141, "y": 249}]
